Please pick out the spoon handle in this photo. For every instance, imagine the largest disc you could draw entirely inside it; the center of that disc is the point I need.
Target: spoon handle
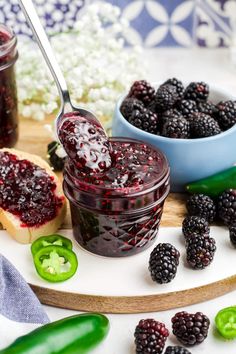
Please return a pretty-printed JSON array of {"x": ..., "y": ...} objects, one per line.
[{"x": 46, "y": 49}]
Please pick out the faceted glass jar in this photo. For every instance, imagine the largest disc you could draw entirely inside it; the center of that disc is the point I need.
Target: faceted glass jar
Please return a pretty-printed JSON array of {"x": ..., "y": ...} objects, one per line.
[
  {"x": 8, "y": 93},
  {"x": 112, "y": 222}
]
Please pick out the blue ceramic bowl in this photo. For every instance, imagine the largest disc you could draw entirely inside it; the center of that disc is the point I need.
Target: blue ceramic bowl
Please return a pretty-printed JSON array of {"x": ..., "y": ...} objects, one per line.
[{"x": 189, "y": 159}]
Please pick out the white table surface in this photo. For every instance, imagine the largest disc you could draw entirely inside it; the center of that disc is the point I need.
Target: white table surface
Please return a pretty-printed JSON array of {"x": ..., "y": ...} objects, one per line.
[
  {"x": 121, "y": 340},
  {"x": 203, "y": 65}
]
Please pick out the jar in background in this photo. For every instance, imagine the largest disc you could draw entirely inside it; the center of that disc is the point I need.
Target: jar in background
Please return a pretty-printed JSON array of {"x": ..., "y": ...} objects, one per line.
[
  {"x": 8, "y": 93},
  {"x": 117, "y": 222}
]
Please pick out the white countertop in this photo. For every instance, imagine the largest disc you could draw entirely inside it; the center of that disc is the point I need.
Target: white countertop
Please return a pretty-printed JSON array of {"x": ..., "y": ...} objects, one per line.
[
  {"x": 121, "y": 336},
  {"x": 212, "y": 66}
]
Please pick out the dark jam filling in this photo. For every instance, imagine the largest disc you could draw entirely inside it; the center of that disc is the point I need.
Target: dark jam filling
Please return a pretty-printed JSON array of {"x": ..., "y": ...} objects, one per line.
[
  {"x": 27, "y": 191},
  {"x": 116, "y": 235},
  {"x": 6, "y": 47},
  {"x": 134, "y": 167},
  {"x": 85, "y": 143},
  {"x": 8, "y": 96}
]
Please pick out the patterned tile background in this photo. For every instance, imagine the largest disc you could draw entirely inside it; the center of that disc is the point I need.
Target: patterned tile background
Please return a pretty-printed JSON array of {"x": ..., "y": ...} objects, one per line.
[{"x": 205, "y": 23}]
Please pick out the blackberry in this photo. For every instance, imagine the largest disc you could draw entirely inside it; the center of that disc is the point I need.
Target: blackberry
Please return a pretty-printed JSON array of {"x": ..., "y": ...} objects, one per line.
[
  {"x": 187, "y": 107},
  {"x": 203, "y": 126},
  {"x": 226, "y": 114},
  {"x": 176, "y": 350},
  {"x": 207, "y": 108},
  {"x": 232, "y": 234},
  {"x": 145, "y": 120},
  {"x": 152, "y": 107},
  {"x": 178, "y": 128},
  {"x": 190, "y": 329},
  {"x": 177, "y": 84},
  {"x": 195, "y": 225},
  {"x": 166, "y": 97},
  {"x": 227, "y": 206},
  {"x": 56, "y": 162},
  {"x": 191, "y": 118},
  {"x": 143, "y": 91},
  {"x": 197, "y": 91},
  {"x": 200, "y": 251},
  {"x": 163, "y": 263},
  {"x": 129, "y": 105},
  {"x": 201, "y": 205},
  {"x": 169, "y": 114},
  {"x": 150, "y": 337}
]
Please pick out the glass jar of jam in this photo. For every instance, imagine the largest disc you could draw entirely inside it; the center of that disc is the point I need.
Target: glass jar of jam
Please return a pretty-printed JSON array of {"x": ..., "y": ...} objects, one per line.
[
  {"x": 117, "y": 212},
  {"x": 8, "y": 95}
]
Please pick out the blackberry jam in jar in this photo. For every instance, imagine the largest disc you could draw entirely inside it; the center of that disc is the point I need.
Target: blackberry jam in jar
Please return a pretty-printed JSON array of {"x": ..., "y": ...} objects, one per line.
[
  {"x": 116, "y": 212},
  {"x": 8, "y": 96}
]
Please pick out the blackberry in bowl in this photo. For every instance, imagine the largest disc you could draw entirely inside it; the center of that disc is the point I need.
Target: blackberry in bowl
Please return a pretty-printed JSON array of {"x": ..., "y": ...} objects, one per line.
[
  {"x": 202, "y": 125},
  {"x": 206, "y": 149},
  {"x": 197, "y": 91},
  {"x": 177, "y": 127}
]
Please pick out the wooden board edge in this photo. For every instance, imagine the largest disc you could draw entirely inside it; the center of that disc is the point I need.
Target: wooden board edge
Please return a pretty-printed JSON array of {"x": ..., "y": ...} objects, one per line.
[{"x": 134, "y": 304}]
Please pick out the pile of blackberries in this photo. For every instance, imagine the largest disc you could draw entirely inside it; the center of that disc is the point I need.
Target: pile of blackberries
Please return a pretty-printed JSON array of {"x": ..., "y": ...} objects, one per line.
[
  {"x": 200, "y": 247},
  {"x": 177, "y": 112},
  {"x": 203, "y": 210}
]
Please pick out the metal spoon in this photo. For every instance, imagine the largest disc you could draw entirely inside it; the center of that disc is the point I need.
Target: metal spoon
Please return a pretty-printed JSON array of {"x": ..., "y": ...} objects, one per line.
[{"x": 46, "y": 49}]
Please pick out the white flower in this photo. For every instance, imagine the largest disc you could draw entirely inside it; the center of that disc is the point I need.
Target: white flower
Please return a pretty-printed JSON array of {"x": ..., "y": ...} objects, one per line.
[
  {"x": 60, "y": 152},
  {"x": 26, "y": 111},
  {"x": 96, "y": 66}
]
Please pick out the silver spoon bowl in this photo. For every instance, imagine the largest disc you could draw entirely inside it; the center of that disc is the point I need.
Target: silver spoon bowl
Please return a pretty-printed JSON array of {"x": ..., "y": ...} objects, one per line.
[{"x": 66, "y": 105}]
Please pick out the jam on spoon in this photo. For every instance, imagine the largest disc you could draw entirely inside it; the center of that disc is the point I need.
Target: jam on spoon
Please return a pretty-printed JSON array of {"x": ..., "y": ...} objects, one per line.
[{"x": 85, "y": 143}]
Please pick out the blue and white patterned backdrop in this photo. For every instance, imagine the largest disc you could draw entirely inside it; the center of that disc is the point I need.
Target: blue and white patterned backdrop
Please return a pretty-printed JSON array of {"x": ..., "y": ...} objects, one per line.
[{"x": 206, "y": 23}]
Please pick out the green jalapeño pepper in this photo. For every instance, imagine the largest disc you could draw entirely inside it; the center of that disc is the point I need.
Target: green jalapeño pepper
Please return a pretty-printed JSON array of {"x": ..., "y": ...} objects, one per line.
[
  {"x": 226, "y": 322},
  {"x": 50, "y": 240},
  {"x": 72, "y": 335},
  {"x": 216, "y": 184},
  {"x": 55, "y": 263}
]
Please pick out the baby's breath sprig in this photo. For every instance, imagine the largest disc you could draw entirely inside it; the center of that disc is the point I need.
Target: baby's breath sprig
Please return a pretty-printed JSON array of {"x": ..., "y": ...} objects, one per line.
[{"x": 93, "y": 58}]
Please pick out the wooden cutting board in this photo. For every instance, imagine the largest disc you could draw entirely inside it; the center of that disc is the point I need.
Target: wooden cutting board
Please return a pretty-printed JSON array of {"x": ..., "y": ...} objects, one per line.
[{"x": 124, "y": 285}]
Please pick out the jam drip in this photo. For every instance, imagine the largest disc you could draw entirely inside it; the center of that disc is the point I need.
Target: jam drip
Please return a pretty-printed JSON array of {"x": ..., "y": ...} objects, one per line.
[
  {"x": 27, "y": 191},
  {"x": 85, "y": 143}
]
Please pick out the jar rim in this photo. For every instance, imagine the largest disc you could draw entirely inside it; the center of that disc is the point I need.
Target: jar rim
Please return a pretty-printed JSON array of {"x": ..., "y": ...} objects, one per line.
[
  {"x": 124, "y": 212},
  {"x": 136, "y": 194},
  {"x": 161, "y": 177},
  {"x": 5, "y": 48}
]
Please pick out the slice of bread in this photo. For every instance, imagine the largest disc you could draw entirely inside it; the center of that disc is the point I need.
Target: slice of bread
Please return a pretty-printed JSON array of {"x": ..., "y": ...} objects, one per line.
[{"x": 13, "y": 224}]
